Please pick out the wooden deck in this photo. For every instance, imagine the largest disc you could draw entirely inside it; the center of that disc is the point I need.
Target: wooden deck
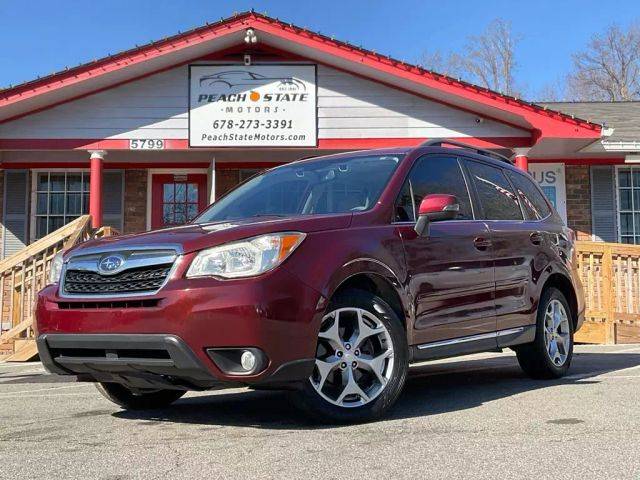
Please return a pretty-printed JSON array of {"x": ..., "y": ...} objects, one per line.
[{"x": 611, "y": 278}]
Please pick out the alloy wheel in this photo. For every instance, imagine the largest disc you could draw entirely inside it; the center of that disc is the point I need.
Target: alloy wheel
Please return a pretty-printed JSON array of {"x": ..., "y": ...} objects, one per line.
[
  {"x": 557, "y": 332},
  {"x": 354, "y": 358}
]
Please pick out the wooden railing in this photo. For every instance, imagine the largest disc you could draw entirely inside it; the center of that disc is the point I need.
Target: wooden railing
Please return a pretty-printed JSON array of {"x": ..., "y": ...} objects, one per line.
[
  {"x": 611, "y": 279},
  {"x": 23, "y": 274}
]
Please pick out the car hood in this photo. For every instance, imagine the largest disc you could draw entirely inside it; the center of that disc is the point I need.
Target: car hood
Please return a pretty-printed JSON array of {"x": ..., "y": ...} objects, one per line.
[{"x": 192, "y": 237}]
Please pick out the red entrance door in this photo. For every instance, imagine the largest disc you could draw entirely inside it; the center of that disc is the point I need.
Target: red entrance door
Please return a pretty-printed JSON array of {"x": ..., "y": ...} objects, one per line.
[{"x": 177, "y": 199}]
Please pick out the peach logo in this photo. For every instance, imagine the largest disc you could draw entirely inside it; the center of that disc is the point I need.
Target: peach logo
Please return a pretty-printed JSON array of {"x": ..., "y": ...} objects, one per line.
[{"x": 254, "y": 96}]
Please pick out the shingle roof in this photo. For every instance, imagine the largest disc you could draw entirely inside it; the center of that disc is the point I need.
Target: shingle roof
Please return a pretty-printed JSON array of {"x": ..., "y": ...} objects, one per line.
[{"x": 623, "y": 117}]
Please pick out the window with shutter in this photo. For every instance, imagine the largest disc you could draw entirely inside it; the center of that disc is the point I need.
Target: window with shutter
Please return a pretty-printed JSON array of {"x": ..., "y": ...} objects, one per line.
[
  {"x": 603, "y": 203},
  {"x": 14, "y": 218}
]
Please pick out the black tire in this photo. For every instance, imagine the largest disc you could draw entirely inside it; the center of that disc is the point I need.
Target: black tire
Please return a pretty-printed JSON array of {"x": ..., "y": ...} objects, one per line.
[
  {"x": 534, "y": 358},
  {"x": 322, "y": 411},
  {"x": 130, "y": 400}
]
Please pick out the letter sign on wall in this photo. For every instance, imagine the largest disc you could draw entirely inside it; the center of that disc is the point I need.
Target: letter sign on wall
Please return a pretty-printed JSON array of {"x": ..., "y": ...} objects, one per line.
[
  {"x": 252, "y": 106},
  {"x": 550, "y": 177}
]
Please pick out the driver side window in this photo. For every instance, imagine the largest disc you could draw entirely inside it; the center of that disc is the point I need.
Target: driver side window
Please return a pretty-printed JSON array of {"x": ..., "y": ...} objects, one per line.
[{"x": 431, "y": 175}]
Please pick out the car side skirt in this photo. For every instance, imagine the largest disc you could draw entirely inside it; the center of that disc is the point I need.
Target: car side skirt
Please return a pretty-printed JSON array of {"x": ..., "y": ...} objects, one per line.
[{"x": 485, "y": 342}]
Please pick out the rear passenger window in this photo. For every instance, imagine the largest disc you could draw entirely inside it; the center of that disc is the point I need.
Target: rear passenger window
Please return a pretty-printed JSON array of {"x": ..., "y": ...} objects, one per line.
[
  {"x": 531, "y": 198},
  {"x": 497, "y": 198},
  {"x": 432, "y": 175}
]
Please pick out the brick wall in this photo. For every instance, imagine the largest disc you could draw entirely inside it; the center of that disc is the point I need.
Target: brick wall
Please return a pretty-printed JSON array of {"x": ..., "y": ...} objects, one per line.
[
  {"x": 579, "y": 200},
  {"x": 226, "y": 179},
  {"x": 135, "y": 201}
]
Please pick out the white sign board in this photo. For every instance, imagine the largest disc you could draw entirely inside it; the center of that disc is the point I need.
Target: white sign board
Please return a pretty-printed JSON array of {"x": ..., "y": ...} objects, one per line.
[
  {"x": 550, "y": 177},
  {"x": 252, "y": 106}
]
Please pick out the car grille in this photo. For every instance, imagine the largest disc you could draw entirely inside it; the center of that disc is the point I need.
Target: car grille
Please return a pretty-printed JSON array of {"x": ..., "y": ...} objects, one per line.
[{"x": 139, "y": 280}]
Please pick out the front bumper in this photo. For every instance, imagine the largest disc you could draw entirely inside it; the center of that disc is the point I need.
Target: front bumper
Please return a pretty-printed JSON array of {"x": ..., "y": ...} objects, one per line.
[
  {"x": 163, "y": 340},
  {"x": 145, "y": 361}
]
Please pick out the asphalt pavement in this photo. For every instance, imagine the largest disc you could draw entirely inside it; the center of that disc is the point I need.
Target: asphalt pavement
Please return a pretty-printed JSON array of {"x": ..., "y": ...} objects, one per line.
[{"x": 472, "y": 417}]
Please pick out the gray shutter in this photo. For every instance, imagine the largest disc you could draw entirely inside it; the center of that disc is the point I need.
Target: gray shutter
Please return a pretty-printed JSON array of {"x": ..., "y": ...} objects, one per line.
[
  {"x": 604, "y": 211},
  {"x": 14, "y": 218},
  {"x": 112, "y": 189}
]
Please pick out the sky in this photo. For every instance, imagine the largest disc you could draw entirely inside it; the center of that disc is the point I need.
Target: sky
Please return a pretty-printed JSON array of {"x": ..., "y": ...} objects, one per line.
[{"x": 39, "y": 37}]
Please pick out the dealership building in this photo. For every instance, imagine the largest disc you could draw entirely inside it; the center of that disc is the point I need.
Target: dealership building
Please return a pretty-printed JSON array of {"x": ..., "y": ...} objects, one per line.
[{"x": 148, "y": 137}]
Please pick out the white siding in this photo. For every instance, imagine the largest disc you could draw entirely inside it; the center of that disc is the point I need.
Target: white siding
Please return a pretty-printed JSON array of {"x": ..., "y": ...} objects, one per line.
[{"x": 348, "y": 107}]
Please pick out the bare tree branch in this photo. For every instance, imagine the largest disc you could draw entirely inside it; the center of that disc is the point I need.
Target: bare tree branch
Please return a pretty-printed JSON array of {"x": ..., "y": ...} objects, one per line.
[
  {"x": 609, "y": 68},
  {"x": 489, "y": 59}
]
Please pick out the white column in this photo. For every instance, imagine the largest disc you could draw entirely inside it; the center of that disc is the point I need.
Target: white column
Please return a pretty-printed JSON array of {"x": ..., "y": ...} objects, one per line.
[{"x": 211, "y": 180}]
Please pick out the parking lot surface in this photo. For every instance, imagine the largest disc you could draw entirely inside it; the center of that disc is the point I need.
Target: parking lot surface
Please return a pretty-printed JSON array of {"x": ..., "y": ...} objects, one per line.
[{"x": 471, "y": 417}]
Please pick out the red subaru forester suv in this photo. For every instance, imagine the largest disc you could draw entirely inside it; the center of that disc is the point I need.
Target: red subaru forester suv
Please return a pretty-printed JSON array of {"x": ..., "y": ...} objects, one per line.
[{"x": 327, "y": 277}]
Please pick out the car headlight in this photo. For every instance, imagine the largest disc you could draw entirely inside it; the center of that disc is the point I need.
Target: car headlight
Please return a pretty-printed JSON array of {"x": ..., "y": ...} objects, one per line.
[
  {"x": 245, "y": 258},
  {"x": 55, "y": 269}
]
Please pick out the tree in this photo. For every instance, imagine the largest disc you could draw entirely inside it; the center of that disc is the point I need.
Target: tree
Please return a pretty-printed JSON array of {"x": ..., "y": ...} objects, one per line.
[
  {"x": 489, "y": 60},
  {"x": 609, "y": 68}
]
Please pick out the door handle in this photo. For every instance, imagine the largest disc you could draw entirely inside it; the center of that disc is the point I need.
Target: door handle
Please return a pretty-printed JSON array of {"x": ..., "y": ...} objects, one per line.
[
  {"x": 536, "y": 238},
  {"x": 481, "y": 243}
]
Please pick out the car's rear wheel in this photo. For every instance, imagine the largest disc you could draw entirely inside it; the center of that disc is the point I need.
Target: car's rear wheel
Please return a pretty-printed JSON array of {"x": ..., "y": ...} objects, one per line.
[
  {"x": 361, "y": 361},
  {"x": 142, "y": 400},
  {"x": 550, "y": 354}
]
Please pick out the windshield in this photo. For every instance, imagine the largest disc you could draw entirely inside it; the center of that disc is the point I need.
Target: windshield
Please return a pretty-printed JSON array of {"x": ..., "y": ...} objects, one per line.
[{"x": 313, "y": 187}]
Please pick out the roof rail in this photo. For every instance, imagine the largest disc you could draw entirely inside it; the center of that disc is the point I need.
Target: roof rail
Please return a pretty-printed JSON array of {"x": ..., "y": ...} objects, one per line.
[{"x": 439, "y": 142}]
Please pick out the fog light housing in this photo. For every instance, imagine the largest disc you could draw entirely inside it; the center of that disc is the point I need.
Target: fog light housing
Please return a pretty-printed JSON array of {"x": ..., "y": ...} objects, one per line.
[
  {"x": 248, "y": 360},
  {"x": 239, "y": 361}
]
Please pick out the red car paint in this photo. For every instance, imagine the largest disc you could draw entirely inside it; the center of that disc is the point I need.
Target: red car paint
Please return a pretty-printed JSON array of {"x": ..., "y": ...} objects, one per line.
[{"x": 448, "y": 285}]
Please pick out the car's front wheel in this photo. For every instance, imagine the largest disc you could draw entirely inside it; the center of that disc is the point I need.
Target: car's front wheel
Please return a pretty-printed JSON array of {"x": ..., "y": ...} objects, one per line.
[
  {"x": 131, "y": 400},
  {"x": 361, "y": 361}
]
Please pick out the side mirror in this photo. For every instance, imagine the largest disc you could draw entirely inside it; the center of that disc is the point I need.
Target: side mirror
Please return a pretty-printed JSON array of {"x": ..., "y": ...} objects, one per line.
[{"x": 436, "y": 208}]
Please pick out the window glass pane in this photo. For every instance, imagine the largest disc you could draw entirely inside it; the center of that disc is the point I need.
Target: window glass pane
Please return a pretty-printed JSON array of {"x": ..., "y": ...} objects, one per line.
[
  {"x": 192, "y": 211},
  {"x": 636, "y": 220},
  {"x": 624, "y": 177},
  {"x": 56, "y": 181},
  {"x": 55, "y": 223},
  {"x": 531, "y": 199},
  {"x": 167, "y": 192},
  {"x": 86, "y": 181},
  {"x": 74, "y": 182},
  {"x": 74, "y": 203},
  {"x": 302, "y": 188},
  {"x": 626, "y": 223},
  {"x": 626, "y": 239},
  {"x": 56, "y": 203},
  {"x": 625, "y": 199},
  {"x": 167, "y": 213},
  {"x": 192, "y": 192},
  {"x": 180, "y": 213},
  {"x": 498, "y": 200},
  {"x": 181, "y": 192},
  {"x": 41, "y": 226},
  {"x": 85, "y": 203},
  {"x": 404, "y": 205},
  {"x": 431, "y": 175},
  {"x": 43, "y": 182},
  {"x": 41, "y": 207},
  {"x": 636, "y": 200},
  {"x": 636, "y": 177}
]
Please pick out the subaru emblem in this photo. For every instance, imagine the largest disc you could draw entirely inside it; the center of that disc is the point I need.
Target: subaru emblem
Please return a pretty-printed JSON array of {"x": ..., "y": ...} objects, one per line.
[{"x": 111, "y": 264}]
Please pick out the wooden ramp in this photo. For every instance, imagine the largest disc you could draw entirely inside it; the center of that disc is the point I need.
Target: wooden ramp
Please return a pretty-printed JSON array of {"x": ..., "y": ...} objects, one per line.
[
  {"x": 25, "y": 273},
  {"x": 25, "y": 350}
]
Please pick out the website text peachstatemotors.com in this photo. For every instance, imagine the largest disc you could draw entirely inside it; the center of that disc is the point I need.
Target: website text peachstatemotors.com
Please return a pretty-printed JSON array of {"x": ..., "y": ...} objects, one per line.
[{"x": 252, "y": 137}]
